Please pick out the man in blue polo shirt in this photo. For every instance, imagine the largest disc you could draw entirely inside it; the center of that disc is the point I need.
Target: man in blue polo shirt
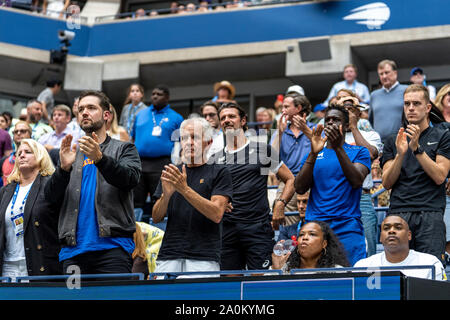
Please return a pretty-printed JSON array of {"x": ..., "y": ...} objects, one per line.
[
  {"x": 152, "y": 134},
  {"x": 335, "y": 171},
  {"x": 294, "y": 145}
]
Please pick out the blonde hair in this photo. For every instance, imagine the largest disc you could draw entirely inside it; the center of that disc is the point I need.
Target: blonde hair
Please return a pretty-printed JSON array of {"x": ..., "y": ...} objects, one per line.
[
  {"x": 440, "y": 96},
  {"x": 43, "y": 159},
  {"x": 271, "y": 113},
  {"x": 348, "y": 91},
  {"x": 114, "y": 129},
  {"x": 139, "y": 249},
  {"x": 64, "y": 108},
  {"x": 351, "y": 65}
]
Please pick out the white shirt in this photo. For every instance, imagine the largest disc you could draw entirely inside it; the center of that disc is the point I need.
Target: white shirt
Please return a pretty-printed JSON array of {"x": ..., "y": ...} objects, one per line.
[
  {"x": 391, "y": 88},
  {"x": 414, "y": 258},
  {"x": 217, "y": 144},
  {"x": 14, "y": 250}
]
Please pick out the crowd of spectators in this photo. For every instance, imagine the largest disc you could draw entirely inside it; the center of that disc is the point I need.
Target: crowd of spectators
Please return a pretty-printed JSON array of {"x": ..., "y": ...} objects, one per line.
[
  {"x": 63, "y": 9},
  {"x": 74, "y": 176},
  {"x": 60, "y": 9},
  {"x": 190, "y": 7}
]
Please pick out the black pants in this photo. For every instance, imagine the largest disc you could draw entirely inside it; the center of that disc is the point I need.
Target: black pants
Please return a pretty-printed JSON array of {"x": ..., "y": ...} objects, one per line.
[
  {"x": 114, "y": 260},
  {"x": 150, "y": 177},
  {"x": 428, "y": 232},
  {"x": 247, "y": 245}
]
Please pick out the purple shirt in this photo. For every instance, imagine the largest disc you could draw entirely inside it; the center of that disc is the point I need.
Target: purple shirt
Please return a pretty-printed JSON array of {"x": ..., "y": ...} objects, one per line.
[
  {"x": 54, "y": 139},
  {"x": 5, "y": 142}
]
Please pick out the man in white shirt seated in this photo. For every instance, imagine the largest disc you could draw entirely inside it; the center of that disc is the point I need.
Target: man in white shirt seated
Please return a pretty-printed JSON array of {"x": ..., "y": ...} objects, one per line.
[{"x": 395, "y": 237}]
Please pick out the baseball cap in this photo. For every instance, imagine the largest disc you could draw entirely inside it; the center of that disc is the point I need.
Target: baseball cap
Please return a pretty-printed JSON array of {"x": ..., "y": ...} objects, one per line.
[
  {"x": 295, "y": 89},
  {"x": 319, "y": 107},
  {"x": 416, "y": 69}
]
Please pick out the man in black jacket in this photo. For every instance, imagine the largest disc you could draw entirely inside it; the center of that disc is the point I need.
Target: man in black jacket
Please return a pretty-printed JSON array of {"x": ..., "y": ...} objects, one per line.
[{"x": 94, "y": 187}]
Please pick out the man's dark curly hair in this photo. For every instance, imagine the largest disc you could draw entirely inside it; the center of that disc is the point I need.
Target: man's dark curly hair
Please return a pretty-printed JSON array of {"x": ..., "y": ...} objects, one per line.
[
  {"x": 341, "y": 109},
  {"x": 240, "y": 110},
  {"x": 332, "y": 256}
]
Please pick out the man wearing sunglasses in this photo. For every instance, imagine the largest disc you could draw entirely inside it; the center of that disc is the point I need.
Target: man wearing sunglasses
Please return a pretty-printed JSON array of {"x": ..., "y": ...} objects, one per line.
[
  {"x": 22, "y": 130},
  {"x": 210, "y": 111},
  {"x": 248, "y": 234}
]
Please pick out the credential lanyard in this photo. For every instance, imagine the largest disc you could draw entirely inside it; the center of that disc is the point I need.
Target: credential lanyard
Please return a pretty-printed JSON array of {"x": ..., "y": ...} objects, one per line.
[
  {"x": 154, "y": 120},
  {"x": 17, "y": 220},
  {"x": 132, "y": 115}
]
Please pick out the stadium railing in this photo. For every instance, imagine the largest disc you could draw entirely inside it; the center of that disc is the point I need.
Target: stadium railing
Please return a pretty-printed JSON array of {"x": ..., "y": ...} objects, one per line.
[{"x": 207, "y": 274}]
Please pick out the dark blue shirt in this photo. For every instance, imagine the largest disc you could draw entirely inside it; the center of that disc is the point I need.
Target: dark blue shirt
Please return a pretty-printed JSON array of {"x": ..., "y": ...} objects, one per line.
[{"x": 293, "y": 149}]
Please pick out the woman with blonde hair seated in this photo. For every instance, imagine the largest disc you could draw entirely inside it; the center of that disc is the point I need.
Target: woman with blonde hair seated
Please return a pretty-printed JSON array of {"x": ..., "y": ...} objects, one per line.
[
  {"x": 29, "y": 243},
  {"x": 442, "y": 101}
]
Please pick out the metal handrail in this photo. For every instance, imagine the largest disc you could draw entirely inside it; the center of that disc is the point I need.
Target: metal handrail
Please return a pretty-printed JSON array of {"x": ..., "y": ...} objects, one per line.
[
  {"x": 5, "y": 279},
  {"x": 367, "y": 269},
  {"x": 173, "y": 275},
  {"x": 245, "y": 273}
]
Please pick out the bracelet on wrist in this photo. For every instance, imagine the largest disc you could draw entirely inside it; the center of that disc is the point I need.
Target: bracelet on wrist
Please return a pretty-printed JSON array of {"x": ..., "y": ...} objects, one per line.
[{"x": 282, "y": 200}]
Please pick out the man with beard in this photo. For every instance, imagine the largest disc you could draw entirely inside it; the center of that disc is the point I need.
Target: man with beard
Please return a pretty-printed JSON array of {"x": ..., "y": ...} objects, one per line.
[
  {"x": 34, "y": 119},
  {"x": 93, "y": 185},
  {"x": 395, "y": 236},
  {"x": 248, "y": 236}
]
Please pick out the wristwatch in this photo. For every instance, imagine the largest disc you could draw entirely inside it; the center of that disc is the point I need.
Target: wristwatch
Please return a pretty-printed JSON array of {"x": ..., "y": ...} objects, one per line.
[
  {"x": 419, "y": 150},
  {"x": 282, "y": 200}
]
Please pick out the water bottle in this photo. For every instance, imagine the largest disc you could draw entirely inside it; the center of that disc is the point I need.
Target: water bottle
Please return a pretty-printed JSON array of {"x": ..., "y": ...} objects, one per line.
[
  {"x": 278, "y": 249},
  {"x": 284, "y": 247}
]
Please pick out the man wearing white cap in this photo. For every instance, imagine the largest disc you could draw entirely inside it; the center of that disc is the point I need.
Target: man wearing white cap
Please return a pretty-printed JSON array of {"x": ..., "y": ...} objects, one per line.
[{"x": 295, "y": 89}]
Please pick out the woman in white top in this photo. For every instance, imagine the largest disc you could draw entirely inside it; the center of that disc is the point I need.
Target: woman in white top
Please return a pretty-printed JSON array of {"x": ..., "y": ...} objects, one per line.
[
  {"x": 28, "y": 224},
  {"x": 55, "y": 8},
  {"x": 318, "y": 247},
  {"x": 113, "y": 129}
]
